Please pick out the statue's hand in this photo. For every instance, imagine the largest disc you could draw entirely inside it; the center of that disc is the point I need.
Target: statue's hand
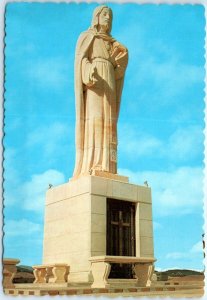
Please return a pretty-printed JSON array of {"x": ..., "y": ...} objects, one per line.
[
  {"x": 114, "y": 54},
  {"x": 121, "y": 47},
  {"x": 119, "y": 55}
]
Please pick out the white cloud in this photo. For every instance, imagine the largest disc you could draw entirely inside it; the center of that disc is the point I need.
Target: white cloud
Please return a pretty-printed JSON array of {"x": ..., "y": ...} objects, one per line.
[
  {"x": 52, "y": 139},
  {"x": 176, "y": 192},
  {"x": 183, "y": 144},
  {"x": 198, "y": 247},
  {"x": 51, "y": 72},
  {"x": 22, "y": 227},
  {"x": 177, "y": 255},
  {"x": 19, "y": 50},
  {"x": 136, "y": 144},
  {"x": 33, "y": 192},
  {"x": 53, "y": 132},
  {"x": 11, "y": 176},
  {"x": 170, "y": 77},
  {"x": 174, "y": 76},
  {"x": 29, "y": 195},
  {"x": 191, "y": 253}
]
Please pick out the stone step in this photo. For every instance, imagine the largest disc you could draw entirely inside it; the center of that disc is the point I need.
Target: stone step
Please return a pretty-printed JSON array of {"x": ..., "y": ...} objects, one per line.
[
  {"x": 44, "y": 289},
  {"x": 183, "y": 283}
]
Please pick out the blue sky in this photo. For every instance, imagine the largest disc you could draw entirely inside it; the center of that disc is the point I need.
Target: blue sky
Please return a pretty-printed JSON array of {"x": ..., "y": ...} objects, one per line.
[{"x": 160, "y": 126}]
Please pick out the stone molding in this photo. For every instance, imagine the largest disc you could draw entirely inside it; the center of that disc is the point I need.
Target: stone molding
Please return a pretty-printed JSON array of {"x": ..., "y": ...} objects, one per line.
[{"x": 122, "y": 259}]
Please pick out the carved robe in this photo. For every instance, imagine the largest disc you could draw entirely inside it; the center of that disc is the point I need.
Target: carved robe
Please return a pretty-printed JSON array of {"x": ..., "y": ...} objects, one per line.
[{"x": 97, "y": 105}]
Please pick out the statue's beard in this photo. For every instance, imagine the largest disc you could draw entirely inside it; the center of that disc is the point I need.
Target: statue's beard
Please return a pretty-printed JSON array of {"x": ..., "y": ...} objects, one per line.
[{"x": 104, "y": 28}]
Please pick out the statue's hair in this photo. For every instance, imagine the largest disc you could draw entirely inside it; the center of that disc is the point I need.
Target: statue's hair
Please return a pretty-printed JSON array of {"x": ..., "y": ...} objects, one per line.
[{"x": 96, "y": 14}]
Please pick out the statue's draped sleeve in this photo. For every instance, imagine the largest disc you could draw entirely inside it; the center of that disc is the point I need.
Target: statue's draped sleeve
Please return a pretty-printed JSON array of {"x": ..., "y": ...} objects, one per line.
[
  {"x": 119, "y": 76},
  {"x": 86, "y": 72},
  {"x": 82, "y": 47}
]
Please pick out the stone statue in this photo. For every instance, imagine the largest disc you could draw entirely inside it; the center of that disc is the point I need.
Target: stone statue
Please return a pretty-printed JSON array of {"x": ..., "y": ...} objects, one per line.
[{"x": 100, "y": 66}]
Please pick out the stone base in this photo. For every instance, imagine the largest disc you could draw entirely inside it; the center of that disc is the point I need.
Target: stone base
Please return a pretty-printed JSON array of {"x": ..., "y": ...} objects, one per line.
[
  {"x": 110, "y": 176},
  {"x": 104, "y": 175},
  {"x": 75, "y": 222},
  {"x": 80, "y": 277},
  {"x": 122, "y": 290},
  {"x": 126, "y": 283}
]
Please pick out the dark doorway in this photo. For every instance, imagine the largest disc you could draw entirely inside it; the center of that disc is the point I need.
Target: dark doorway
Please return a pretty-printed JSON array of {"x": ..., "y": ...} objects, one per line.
[{"x": 120, "y": 235}]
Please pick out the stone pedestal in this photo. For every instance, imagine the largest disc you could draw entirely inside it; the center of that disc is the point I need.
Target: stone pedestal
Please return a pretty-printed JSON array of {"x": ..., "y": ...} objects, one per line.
[
  {"x": 9, "y": 271},
  {"x": 75, "y": 222}
]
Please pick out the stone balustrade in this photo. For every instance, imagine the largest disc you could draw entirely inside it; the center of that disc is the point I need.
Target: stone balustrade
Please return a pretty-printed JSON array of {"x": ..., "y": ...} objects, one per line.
[
  {"x": 53, "y": 273},
  {"x": 9, "y": 271},
  {"x": 100, "y": 268}
]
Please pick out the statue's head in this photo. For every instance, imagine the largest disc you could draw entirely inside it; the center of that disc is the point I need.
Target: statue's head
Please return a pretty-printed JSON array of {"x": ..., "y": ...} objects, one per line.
[{"x": 102, "y": 17}]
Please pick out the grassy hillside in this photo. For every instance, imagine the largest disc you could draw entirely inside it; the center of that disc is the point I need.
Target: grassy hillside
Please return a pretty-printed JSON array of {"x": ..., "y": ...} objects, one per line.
[
  {"x": 179, "y": 273},
  {"x": 26, "y": 269}
]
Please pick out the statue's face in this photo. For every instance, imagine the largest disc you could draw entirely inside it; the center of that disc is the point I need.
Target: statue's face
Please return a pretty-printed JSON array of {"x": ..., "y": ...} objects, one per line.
[{"x": 105, "y": 19}]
